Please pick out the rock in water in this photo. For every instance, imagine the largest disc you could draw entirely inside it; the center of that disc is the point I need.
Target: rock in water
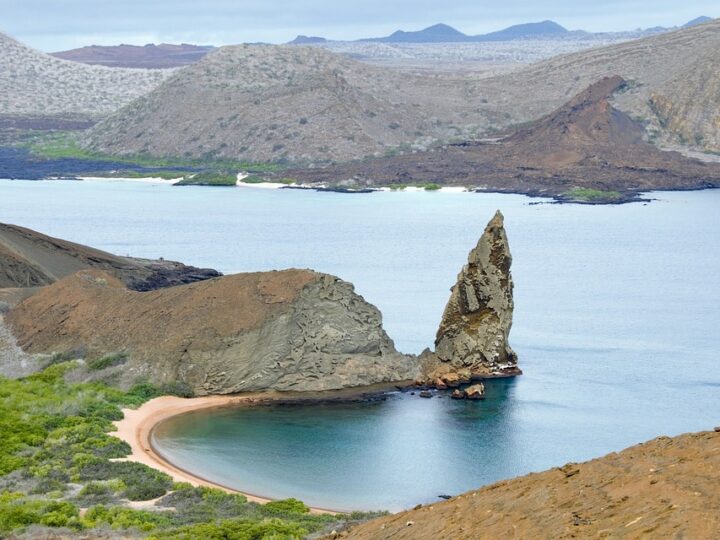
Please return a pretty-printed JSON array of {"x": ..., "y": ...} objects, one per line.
[
  {"x": 474, "y": 330},
  {"x": 476, "y": 391}
]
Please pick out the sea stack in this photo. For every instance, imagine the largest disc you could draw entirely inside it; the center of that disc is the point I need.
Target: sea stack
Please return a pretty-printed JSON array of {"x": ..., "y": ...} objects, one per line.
[{"x": 473, "y": 333}]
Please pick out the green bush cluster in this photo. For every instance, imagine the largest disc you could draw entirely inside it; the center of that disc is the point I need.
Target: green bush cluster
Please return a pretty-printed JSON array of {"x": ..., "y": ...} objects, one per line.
[
  {"x": 209, "y": 178},
  {"x": 55, "y": 433},
  {"x": 110, "y": 360},
  {"x": 17, "y": 511},
  {"x": 581, "y": 194}
]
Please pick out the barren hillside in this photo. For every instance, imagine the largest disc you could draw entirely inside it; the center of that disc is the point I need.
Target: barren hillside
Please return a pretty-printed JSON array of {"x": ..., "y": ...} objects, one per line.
[
  {"x": 274, "y": 103},
  {"x": 665, "y": 488},
  {"x": 302, "y": 104},
  {"x": 33, "y": 83},
  {"x": 585, "y": 144},
  {"x": 677, "y": 65}
]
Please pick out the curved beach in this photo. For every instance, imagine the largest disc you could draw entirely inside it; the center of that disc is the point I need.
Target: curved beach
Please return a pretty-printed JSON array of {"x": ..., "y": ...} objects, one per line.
[{"x": 137, "y": 426}]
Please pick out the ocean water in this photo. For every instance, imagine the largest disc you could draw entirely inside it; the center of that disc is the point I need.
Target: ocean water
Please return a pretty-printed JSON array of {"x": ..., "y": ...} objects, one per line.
[{"x": 616, "y": 327}]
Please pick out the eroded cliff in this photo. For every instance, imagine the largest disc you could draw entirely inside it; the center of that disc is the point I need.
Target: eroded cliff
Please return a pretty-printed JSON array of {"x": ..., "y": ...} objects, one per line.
[{"x": 288, "y": 330}]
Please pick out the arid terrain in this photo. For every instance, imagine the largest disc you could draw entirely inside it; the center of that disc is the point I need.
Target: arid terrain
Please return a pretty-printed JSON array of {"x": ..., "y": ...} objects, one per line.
[
  {"x": 149, "y": 56},
  {"x": 585, "y": 144},
  {"x": 304, "y": 104},
  {"x": 36, "y": 84},
  {"x": 665, "y": 488}
]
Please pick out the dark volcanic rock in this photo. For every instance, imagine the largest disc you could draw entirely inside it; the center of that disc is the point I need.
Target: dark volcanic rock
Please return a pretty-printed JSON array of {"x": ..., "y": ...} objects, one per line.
[{"x": 29, "y": 259}]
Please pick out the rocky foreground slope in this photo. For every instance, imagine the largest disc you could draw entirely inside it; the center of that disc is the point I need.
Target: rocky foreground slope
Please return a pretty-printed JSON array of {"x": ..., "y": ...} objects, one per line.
[
  {"x": 665, "y": 488},
  {"x": 36, "y": 84},
  {"x": 302, "y": 104},
  {"x": 291, "y": 330},
  {"x": 587, "y": 143}
]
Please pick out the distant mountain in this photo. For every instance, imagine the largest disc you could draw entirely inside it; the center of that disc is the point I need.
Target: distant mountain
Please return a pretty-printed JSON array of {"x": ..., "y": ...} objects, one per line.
[
  {"x": 443, "y": 33},
  {"x": 307, "y": 40},
  {"x": 36, "y": 84},
  {"x": 164, "y": 55},
  {"x": 695, "y": 22},
  {"x": 523, "y": 31},
  {"x": 438, "y": 33}
]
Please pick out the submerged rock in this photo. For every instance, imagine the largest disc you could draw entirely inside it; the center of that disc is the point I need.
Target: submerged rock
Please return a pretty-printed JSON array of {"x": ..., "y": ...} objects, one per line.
[{"x": 473, "y": 333}]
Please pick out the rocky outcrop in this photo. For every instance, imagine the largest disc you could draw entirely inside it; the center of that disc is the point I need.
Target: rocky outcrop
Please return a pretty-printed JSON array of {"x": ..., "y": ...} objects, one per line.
[
  {"x": 665, "y": 488},
  {"x": 473, "y": 336},
  {"x": 290, "y": 330},
  {"x": 30, "y": 259}
]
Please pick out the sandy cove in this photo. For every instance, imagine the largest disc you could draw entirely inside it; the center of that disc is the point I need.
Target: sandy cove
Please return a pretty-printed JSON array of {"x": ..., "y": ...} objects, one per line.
[{"x": 137, "y": 425}]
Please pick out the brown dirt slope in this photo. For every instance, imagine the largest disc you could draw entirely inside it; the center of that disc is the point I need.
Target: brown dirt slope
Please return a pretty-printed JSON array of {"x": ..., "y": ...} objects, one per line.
[
  {"x": 288, "y": 330},
  {"x": 665, "y": 488},
  {"x": 29, "y": 259},
  {"x": 586, "y": 143}
]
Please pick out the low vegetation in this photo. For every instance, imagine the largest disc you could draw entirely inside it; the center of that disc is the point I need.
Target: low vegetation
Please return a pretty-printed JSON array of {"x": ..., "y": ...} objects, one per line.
[
  {"x": 579, "y": 194},
  {"x": 63, "y": 144},
  {"x": 58, "y": 457},
  {"x": 209, "y": 178}
]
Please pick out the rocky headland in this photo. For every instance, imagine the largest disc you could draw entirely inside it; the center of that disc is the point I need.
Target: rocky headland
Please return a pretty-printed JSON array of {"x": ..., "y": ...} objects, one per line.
[
  {"x": 287, "y": 331},
  {"x": 32, "y": 259}
]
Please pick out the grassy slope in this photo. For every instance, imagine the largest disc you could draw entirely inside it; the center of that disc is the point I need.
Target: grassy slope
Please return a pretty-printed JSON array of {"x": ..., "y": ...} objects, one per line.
[{"x": 56, "y": 458}]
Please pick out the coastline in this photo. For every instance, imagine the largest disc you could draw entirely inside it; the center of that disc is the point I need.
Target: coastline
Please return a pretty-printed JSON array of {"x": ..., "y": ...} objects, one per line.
[{"x": 136, "y": 427}]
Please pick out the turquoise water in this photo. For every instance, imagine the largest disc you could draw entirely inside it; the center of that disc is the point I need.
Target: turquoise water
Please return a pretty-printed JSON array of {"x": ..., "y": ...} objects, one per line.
[{"x": 616, "y": 327}]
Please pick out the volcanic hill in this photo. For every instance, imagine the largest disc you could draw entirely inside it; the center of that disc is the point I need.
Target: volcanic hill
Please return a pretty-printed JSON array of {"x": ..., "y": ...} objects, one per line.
[
  {"x": 307, "y": 105},
  {"x": 36, "y": 84},
  {"x": 164, "y": 55},
  {"x": 587, "y": 143},
  {"x": 288, "y": 103}
]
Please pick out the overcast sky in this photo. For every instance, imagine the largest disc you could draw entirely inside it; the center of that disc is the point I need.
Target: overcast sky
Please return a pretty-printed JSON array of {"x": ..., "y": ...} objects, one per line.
[{"x": 52, "y": 25}]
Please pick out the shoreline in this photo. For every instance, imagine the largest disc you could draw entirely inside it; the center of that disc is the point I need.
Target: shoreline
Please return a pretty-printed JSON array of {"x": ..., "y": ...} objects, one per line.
[{"x": 137, "y": 426}]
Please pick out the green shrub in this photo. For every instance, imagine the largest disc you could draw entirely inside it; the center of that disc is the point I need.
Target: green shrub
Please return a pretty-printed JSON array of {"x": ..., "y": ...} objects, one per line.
[
  {"x": 581, "y": 194},
  {"x": 111, "y": 360},
  {"x": 235, "y": 530},
  {"x": 286, "y": 506},
  {"x": 432, "y": 186},
  {"x": 125, "y": 518}
]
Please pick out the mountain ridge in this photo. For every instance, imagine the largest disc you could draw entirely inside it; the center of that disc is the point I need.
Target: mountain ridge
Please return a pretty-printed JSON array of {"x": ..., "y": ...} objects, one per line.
[{"x": 37, "y": 84}]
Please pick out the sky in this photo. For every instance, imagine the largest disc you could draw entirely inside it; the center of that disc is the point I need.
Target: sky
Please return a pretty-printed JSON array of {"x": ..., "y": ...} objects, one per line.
[{"x": 52, "y": 25}]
